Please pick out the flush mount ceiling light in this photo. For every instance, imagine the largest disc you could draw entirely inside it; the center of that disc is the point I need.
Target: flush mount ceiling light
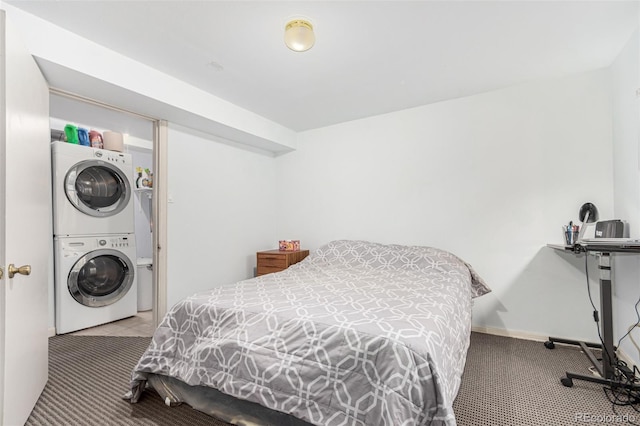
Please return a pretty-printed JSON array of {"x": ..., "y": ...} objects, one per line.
[{"x": 298, "y": 35}]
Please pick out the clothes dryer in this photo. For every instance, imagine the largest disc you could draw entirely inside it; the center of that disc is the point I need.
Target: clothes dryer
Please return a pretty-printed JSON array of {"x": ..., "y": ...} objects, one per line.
[
  {"x": 95, "y": 281},
  {"x": 91, "y": 191}
]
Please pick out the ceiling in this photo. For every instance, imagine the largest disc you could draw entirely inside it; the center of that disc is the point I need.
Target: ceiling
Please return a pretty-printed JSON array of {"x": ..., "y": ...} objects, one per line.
[{"x": 370, "y": 57}]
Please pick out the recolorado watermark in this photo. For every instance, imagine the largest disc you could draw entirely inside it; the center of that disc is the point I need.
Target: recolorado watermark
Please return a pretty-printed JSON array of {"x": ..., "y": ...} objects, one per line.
[{"x": 605, "y": 418}]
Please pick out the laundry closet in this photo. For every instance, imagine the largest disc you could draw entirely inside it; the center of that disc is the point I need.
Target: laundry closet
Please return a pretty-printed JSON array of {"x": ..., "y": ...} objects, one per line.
[{"x": 102, "y": 179}]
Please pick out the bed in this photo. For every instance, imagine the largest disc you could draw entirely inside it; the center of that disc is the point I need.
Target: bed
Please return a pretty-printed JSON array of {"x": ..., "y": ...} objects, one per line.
[{"x": 358, "y": 333}]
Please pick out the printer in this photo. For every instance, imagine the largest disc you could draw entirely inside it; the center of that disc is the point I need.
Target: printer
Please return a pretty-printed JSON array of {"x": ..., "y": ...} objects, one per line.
[
  {"x": 605, "y": 229},
  {"x": 611, "y": 229}
]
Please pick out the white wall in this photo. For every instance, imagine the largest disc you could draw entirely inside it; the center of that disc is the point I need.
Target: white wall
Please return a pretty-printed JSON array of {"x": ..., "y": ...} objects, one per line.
[
  {"x": 625, "y": 77},
  {"x": 222, "y": 209},
  {"x": 142, "y": 157},
  {"x": 491, "y": 177}
]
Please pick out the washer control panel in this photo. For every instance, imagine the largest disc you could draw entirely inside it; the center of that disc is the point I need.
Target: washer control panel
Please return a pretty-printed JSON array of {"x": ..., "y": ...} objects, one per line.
[
  {"x": 78, "y": 247},
  {"x": 118, "y": 242},
  {"x": 110, "y": 156}
]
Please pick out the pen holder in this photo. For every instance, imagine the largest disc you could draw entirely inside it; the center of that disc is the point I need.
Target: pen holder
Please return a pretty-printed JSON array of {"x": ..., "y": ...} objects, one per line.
[{"x": 570, "y": 237}]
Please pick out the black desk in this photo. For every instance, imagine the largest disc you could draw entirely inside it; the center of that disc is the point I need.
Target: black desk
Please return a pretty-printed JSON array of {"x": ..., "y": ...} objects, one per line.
[{"x": 606, "y": 368}]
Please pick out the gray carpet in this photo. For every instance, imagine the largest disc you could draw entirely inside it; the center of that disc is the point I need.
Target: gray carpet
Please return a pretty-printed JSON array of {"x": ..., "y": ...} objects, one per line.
[
  {"x": 517, "y": 382},
  {"x": 88, "y": 376},
  {"x": 506, "y": 382}
]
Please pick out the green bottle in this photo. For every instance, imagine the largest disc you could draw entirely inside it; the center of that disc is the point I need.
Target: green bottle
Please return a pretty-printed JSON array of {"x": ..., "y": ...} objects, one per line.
[{"x": 72, "y": 133}]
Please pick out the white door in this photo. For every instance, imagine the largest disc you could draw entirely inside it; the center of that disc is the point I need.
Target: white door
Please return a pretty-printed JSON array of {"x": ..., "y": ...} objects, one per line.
[{"x": 25, "y": 227}]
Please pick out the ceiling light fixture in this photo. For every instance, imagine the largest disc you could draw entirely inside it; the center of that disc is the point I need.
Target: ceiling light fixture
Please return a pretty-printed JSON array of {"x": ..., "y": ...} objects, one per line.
[{"x": 298, "y": 35}]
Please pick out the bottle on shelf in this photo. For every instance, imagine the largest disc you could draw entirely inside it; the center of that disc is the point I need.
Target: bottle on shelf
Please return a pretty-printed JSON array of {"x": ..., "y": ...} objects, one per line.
[
  {"x": 95, "y": 139},
  {"x": 147, "y": 182},
  {"x": 139, "y": 180}
]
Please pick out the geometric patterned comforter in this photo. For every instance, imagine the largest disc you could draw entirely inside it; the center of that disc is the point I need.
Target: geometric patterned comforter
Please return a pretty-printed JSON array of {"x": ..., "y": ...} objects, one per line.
[{"x": 358, "y": 333}]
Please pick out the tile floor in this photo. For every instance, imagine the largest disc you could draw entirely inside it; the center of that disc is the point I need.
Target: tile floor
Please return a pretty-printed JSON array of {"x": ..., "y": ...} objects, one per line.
[{"x": 139, "y": 325}]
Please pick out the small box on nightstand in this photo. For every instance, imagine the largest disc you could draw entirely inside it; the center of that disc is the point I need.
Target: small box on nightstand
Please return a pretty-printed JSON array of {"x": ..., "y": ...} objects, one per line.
[{"x": 289, "y": 245}]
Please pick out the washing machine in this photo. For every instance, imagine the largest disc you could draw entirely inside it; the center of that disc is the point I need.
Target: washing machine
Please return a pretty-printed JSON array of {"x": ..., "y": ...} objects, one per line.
[
  {"x": 91, "y": 190},
  {"x": 95, "y": 280}
]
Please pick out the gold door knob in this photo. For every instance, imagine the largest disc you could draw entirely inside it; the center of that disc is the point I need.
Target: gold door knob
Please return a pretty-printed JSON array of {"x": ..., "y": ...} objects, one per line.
[
  {"x": 23, "y": 270},
  {"x": 1, "y": 273}
]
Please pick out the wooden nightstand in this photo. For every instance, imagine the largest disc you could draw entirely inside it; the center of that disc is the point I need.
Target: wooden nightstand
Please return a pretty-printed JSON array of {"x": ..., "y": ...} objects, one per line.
[{"x": 275, "y": 260}]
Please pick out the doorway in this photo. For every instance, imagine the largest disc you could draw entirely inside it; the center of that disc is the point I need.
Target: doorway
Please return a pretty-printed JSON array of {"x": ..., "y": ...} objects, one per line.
[{"x": 138, "y": 147}]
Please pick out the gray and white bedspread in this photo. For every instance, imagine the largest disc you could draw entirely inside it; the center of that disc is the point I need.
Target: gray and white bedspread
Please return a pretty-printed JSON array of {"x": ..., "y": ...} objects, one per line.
[{"x": 356, "y": 334}]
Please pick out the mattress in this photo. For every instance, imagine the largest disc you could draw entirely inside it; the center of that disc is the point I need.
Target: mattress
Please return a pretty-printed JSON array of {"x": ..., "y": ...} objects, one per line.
[{"x": 358, "y": 333}]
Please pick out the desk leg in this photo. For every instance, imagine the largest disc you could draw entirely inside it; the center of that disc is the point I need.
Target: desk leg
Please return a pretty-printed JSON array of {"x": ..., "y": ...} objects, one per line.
[
  {"x": 606, "y": 319},
  {"x": 605, "y": 368}
]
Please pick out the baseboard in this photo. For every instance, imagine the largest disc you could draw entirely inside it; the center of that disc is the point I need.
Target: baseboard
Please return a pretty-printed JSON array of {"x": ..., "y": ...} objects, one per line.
[
  {"x": 510, "y": 333},
  {"x": 52, "y": 331}
]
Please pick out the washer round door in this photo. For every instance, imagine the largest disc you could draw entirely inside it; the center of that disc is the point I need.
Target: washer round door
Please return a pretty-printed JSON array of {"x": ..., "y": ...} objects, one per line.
[
  {"x": 97, "y": 188},
  {"x": 101, "y": 278}
]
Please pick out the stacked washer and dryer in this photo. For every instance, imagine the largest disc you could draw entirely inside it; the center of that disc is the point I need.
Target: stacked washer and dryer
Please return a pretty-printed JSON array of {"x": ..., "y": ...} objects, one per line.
[{"x": 94, "y": 241}]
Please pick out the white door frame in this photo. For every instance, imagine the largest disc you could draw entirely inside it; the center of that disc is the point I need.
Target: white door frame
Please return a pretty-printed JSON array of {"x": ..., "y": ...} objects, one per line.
[{"x": 159, "y": 217}]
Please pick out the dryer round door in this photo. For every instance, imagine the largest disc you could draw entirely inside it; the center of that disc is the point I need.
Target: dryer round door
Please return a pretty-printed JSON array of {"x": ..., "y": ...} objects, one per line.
[
  {"x": 97, "y": 188},
  {"x": 100, "y": 277}
]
